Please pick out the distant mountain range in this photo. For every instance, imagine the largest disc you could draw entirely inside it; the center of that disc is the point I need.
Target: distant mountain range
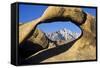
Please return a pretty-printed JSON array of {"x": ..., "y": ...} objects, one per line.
[{"x": 63, "y": 34}]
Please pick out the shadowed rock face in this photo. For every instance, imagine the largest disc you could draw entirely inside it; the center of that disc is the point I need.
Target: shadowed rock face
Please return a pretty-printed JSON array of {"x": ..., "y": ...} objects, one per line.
[{"x": 84, "y": 48}]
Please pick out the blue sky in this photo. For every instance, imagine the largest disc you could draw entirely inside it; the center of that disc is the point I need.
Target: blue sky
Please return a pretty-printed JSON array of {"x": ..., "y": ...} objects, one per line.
[{"x": 32, "y": 12}]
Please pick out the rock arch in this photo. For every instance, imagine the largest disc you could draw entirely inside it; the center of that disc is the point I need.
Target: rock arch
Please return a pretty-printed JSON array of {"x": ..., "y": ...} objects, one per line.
[{"x": 85, "y": 46}]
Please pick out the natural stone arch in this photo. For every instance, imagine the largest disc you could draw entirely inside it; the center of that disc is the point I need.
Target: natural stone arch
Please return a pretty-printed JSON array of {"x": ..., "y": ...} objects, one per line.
[{"x": 85, "y": 47}]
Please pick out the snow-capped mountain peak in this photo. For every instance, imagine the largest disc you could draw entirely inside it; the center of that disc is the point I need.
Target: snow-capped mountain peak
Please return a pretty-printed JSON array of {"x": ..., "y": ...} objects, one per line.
[{"x": 63, "y": 34}]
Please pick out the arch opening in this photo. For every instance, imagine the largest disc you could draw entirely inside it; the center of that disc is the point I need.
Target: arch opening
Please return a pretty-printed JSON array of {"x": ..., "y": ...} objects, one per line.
[{"x": 60, "y": 31}]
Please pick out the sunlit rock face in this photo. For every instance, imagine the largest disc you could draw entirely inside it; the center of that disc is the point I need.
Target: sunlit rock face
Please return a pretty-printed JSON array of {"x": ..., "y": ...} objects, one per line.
[
  {"x": 66, "y": 13},
  {"x": 84, "y": 48},
  {"x": 38, "y": 37}
]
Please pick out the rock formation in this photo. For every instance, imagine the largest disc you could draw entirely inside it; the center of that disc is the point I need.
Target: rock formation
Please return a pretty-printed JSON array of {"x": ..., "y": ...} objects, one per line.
[
  {"x": 38, "y": 37},
  {"x": 83, "y": 48}
]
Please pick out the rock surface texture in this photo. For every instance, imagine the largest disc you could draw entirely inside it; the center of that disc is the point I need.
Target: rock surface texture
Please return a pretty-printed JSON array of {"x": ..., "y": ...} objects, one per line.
[{"x": 83, "y": 48}]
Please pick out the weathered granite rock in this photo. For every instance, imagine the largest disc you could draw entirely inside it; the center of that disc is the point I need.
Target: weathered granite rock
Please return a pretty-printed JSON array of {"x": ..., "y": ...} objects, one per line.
[
  {"x": 83, "y": 48},
  {"x": 64, "y": 13},
  {"x": 38, "y": 37}
]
